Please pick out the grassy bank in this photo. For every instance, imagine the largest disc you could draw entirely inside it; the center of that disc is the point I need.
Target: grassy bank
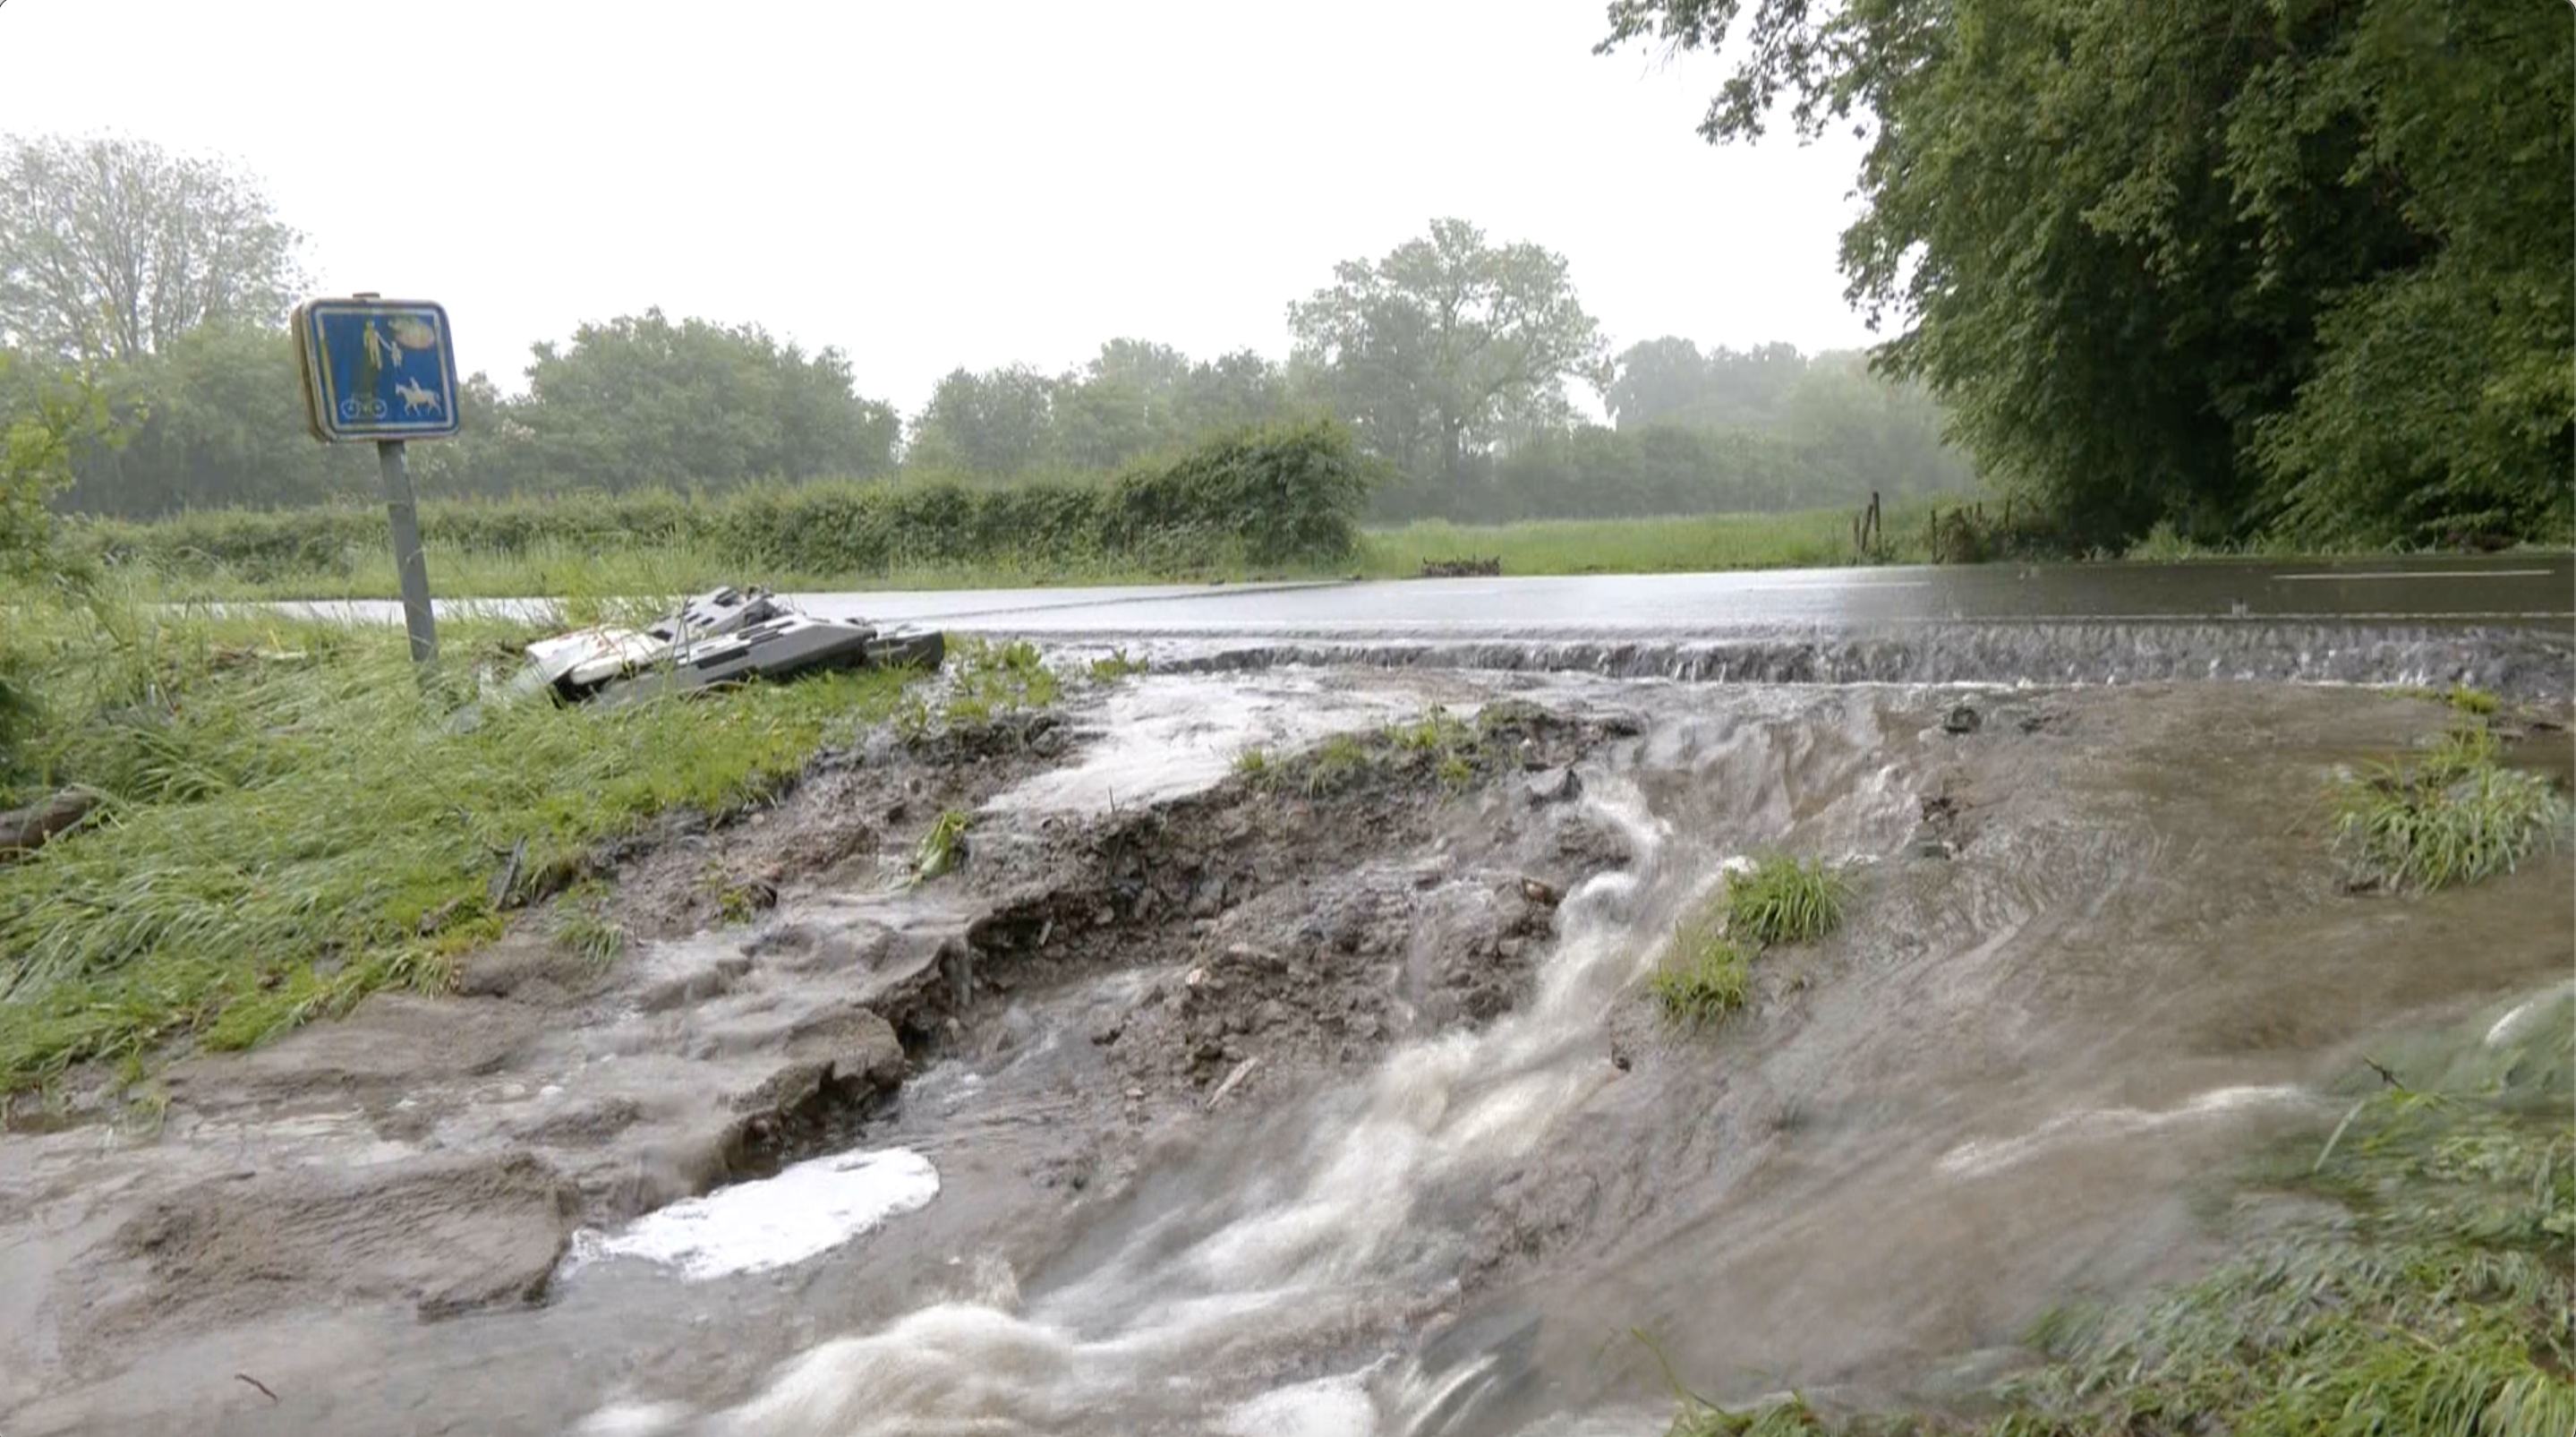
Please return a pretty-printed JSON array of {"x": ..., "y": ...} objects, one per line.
[
  {"x": 287, "y": 822},
  {"x": 1809, "y": 538}
]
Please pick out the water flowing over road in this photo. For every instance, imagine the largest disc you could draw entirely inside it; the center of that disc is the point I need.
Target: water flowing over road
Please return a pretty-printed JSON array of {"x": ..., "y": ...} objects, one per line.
[{"x": 2509, "y": 590}]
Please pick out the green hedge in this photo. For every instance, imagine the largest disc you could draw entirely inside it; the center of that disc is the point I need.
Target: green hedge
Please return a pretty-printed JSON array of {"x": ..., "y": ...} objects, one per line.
[{"x": 1284, "y": 496}]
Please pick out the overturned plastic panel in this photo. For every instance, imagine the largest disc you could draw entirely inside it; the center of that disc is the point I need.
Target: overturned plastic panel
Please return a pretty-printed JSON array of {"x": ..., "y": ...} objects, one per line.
[
  {"x": 719, "y": 611},
  {"x": 718, "y": 637},
  {"x": 574, "y": 664},
  {"x": 778, "y": 647}
]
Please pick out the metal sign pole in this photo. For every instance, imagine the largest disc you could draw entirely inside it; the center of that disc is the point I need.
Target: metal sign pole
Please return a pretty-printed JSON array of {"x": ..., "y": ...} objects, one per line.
[
  {"x": 383, "y": 370},
  {"x": 409, "y": 561}
]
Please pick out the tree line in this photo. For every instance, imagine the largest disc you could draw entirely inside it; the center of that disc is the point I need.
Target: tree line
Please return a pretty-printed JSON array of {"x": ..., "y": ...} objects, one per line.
[
  {"x": 165, "y": 280},
  {"x": 2240, "y": 267}
]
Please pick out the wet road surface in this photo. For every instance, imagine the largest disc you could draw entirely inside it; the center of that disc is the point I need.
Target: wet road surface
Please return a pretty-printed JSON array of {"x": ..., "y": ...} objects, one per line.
[{"x": 2518, "y": 590}]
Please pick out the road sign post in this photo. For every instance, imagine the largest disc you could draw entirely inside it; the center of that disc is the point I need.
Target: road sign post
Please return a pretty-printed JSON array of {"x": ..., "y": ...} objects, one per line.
[
  {"x": 409, "y": 561},
  {"x": 382, "y": 370}
]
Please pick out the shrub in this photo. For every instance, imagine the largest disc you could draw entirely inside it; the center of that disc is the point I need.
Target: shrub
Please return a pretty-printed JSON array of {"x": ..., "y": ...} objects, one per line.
[{"x": 1270, "y": 497}]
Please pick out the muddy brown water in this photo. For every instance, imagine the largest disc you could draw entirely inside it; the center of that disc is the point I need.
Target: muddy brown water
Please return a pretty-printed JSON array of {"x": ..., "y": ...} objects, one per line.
[{"x": 1254, "y": 1112}]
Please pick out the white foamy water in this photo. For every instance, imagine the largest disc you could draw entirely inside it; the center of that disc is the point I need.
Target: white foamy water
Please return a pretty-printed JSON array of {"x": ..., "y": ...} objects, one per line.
[
  {"x": 805, "y": 1211},
  {"x": 1227, "y": 1279},
  {"x": 1329, "y": 1407},
  {"x": 1975, "y": 1158},
  {"x": 2512, "y": 1024}
]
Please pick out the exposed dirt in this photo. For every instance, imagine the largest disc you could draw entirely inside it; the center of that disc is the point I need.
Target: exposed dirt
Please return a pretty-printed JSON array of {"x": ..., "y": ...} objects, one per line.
[
  {"x": 445, "y": 1235},
  {"x": 784, "y": 975}
]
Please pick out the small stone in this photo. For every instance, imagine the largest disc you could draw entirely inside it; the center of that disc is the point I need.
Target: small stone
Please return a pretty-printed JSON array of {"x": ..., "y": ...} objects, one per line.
[
  {"x": 1555, "y": 785},
  {"x": 1196, "y": 977},
  {"x": 1962, "y": 719},
  {"x": 1270, "y": 1014},
  {"x": 1509, "y": 948},
  {"x": 1135, "y": 1095},
  {"x": 1251, "y": 957},
  {"x": 1106, "y": 1027},
  {"x": 1539, "y": 893}
]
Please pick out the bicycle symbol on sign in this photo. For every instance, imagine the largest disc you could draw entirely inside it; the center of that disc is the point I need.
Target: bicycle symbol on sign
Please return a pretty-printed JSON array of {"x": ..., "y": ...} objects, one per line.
[{"x": 353, "y": 407}]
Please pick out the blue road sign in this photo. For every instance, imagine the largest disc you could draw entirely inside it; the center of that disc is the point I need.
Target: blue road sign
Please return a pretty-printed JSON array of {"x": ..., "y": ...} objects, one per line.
[{"x": 377, "y": 369}]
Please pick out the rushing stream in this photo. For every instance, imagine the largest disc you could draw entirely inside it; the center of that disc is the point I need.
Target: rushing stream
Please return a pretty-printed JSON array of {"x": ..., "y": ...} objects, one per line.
[
  {"x": 1266, "y": 1245},
  {"x": 2022, "y": 1073},
  {"x": 2006, "y": 1099}
]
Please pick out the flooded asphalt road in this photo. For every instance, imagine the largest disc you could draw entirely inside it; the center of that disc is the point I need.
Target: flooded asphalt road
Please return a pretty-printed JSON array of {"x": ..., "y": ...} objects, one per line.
[{"x": 2531, "y": 591}]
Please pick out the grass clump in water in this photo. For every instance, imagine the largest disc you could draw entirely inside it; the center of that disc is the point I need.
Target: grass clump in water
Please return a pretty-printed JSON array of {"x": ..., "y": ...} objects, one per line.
[
  {"x": 2457, "y": 815},
  {"x": 1335, "y": 764},
  {"x": 582, "y": 924},
  {"x": 2474, "y": 702},
  {"x": 1783, "y": 900},
  {"x": 1703, "y": 979},
  {"x": 1437, "y": 731},
  {"x": 987, "y": 680},
  {"x": 290, "y": 824},
  {"x": 1116, "y": 666}
]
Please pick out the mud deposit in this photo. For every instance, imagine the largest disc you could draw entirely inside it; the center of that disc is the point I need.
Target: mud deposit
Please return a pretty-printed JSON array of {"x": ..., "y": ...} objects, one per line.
[{"x": 1320, "y": 1099}]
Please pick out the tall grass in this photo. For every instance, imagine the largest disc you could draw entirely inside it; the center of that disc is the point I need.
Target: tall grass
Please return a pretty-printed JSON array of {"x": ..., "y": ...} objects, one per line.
[
  {"x": 1806, "y": 539},
  {"x": 291, "y": 822}
]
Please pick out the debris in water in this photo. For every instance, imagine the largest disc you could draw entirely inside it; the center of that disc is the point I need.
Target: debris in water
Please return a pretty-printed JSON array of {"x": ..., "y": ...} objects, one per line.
[
  {"x": 718, "y": 636},
  {"x": 803, "y": 1212},
  {"x": 24, "y": 830},
  {"x": 255, "y": 1382},
  {"x": 1555, "y": 785},
  {"x": 1240, "y": 1070},
  {"x": 1962, "y": 719}
]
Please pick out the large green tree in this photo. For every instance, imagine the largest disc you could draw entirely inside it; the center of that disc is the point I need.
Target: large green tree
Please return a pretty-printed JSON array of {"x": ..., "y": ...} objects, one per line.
[
  {"x": 112, "y": 248},
  {"x": 214, "y": 419},
  {"x": 1669, "y": 381},
  {"x": 2225, "y": 263},
  {"x": 1447, "y": 345},
  {"x": 991, "y": 424},
  {"x": 645, "y": 401}
]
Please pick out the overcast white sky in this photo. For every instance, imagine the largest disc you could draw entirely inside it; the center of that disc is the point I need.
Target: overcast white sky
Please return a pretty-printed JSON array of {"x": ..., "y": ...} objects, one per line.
[{"x": 936, "y": 183}]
